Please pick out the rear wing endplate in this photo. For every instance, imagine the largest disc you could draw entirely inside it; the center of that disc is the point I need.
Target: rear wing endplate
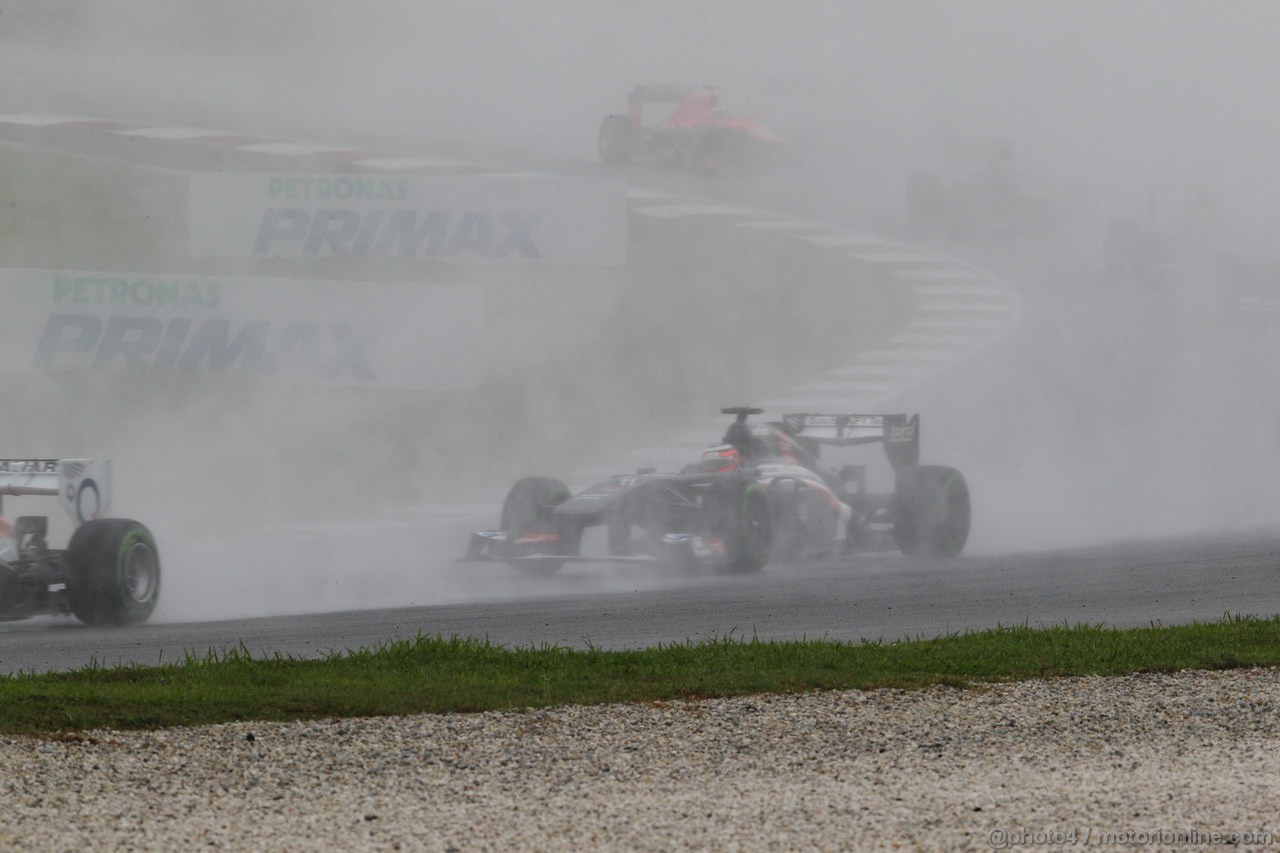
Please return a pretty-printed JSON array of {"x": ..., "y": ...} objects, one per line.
[{"x": 82, "y": 486}]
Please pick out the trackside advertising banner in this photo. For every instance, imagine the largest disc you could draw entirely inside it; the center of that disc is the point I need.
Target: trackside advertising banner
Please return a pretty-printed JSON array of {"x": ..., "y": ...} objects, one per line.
[
  {"x": 411, "y": 336},
  {"x": 513, "y": 219}
]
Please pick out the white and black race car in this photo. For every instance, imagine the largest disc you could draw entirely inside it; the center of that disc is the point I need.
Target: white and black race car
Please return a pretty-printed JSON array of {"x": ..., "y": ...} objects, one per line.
[
  {"x": 761, "y": 496},
  {"x": 109, "y": 573}
]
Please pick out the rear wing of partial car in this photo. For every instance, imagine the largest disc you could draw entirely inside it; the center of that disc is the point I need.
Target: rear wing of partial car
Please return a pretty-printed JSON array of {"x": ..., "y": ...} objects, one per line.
[
  {"x": 899, "y": 433},
  {"x": 1178, "y": 209},
  {"x": 661, "y": 94},
  {"x": 978, "y": 148},
  {"x": 82, "y": 486}
]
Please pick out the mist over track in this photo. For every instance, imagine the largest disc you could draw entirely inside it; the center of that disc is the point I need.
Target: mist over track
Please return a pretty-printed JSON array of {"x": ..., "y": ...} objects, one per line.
[{"x": 1104, "y": 417}]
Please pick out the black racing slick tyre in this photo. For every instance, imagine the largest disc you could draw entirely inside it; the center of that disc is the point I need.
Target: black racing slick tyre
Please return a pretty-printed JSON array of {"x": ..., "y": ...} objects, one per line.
[
  {"x": 527, "y": 513},
  {"x": 113, "y": 572},
  {"x": 617, "y": 140},
  {"x": 931, "y": 511},
  {"x": 741, "y": 517}
]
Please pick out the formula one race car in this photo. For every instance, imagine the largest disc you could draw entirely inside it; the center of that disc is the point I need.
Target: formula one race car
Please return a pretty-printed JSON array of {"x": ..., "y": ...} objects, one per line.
[
  {"x": 109, "y": 573},
  {"x": 1248, "y": 286},
  {"x": 698, "y": 135},
  {"x": 1174, "y": 241},
  {"x": 763, "y": 495},
  {"x": 979, "y": 193}
]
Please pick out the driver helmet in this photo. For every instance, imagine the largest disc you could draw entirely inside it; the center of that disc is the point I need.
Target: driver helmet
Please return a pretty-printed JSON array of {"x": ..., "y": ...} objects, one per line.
[{"x": 721, "y": 459}]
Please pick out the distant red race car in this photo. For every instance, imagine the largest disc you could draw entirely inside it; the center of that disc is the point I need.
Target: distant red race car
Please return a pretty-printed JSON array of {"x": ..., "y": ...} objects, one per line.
[{"x": 698, "y": 135}]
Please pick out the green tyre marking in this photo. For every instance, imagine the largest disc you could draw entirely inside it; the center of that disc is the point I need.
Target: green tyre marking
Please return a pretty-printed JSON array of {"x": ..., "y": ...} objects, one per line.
[{"x": 137, "y": 536}]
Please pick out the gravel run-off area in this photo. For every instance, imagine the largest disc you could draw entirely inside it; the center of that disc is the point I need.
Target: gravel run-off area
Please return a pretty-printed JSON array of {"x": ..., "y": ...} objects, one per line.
[{"x": 1156, "y": 761}]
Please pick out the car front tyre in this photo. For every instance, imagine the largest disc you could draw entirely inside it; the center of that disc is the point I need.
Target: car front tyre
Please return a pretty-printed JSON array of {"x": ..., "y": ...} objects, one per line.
[{"x": 527, "y": 510}]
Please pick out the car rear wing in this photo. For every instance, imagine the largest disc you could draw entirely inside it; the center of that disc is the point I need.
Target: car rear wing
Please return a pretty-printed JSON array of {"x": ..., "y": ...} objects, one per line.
[
  {"x": 899, "y": 433},
  {"x": 661, "y": 94},
  {"x": 980, "y": 148},
  {"x": 1177, "y": 207},
  {"x": 82, "y": 486},
  {"x": 1259, "y": 305},
  {"x": 1179, "y": 195}
]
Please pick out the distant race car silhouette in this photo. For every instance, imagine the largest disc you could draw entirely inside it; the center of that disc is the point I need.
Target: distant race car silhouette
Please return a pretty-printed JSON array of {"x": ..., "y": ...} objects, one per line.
[
  {"x": 698, "y": 135},
  {"x": 979, "y": 193},
  {"x": 761, "y": 496},
  {"x": 1175, "y": 237}
]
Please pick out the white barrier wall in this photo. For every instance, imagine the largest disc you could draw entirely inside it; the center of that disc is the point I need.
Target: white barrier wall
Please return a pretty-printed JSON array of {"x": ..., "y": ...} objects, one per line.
[
  {"x": 456, "y": 218},
  {"x": 414, "y": 336}
]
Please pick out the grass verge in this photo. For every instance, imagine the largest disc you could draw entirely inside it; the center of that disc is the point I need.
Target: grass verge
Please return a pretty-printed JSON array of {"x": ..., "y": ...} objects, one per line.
[{"x": 436, "y": 675}]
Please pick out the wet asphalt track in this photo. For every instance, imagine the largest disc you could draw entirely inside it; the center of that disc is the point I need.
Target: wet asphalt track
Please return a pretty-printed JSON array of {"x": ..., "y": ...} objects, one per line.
[{"x": 887, "y": 598}]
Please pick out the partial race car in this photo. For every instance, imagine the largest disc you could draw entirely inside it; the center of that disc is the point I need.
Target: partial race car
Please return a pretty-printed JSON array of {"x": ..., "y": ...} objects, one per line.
[
  {"x": 1249, "y": 288},
  {"x": 1172, "y": 243},
  {"x": 762, "y": 496},
  {"x": 697, "y": 135},
  {"x": 109, "y": 573},
  {"x": 979, "y": 193}
]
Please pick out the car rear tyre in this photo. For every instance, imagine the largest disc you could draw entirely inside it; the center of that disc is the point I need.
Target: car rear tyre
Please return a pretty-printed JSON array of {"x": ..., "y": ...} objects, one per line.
[
  {"x": 741, "y": 517},
  {"x": 528, "y": 512},
  {"x": 113, "y": 572},
  {"x": 932, "y": 511}
]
